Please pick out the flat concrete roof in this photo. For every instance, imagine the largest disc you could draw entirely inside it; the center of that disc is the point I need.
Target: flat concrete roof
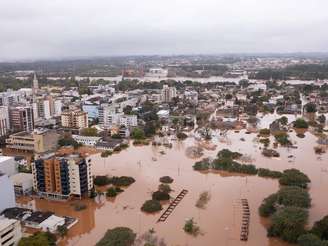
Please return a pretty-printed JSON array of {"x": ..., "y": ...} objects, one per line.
[
  {"x": 5, "y": 158},
  {"x": 4, "y": 222},
  {"x": 21, "y": 177}
]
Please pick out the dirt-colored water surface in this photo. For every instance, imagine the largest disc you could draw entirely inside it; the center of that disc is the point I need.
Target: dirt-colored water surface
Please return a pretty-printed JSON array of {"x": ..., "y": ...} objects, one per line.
[{"x": 220, "y": 220}]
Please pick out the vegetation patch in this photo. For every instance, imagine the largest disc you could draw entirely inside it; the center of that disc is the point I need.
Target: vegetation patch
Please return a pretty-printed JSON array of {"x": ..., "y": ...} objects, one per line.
[
  {"x": 101, "y": 180},
  {"x": 166, "y": 180},
  {"x": 106, "y": 153},
  {"x": 288, "y": 224},
  {"x": 39, "y": 238},
  {"x": 233, "y": 166},
  {"x": 202, "y": 165},
  {"x": 282, "y": 138},
  {"x": 265, "y": 141},
  {"x": 203, "y": 199},
  {"x": 267, "y": 173},
  {"x": 191, "y": 227},
  {"x": 140, "y": 142},
  {"x": 164, "y": 188},
  {"x": 151, "y": 206},
  {"x": 119, "y": 236},
  {"x": 264, "y": 132},
  {"x": 294, "y": 177},
  {"x": 301, "y": 123},
  {"x": 160, "y": 196},
  {"x": 320, "y": 228},
  {"x": 113, "y": 191},
  {"x": 121, "y": 181},
  {"x": 227, "y": 154}
]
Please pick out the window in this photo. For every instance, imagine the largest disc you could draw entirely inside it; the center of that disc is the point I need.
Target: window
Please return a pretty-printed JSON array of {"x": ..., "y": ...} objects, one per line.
[
  {"x": 6, "y": 241},
  {"x": 6, "y": 233}
]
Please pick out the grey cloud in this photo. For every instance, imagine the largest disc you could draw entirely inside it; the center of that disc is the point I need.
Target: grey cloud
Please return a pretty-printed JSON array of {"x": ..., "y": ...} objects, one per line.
[{"x": 59, "y": 28}]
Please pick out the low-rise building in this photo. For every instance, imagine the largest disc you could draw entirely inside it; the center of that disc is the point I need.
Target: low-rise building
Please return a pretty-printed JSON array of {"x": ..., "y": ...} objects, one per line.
[
  {"x": 23, "y": 183},
  {"x": 39, "y": 141},
  {"x": 86, "y": 140},
  {"x": 109, "y": 144},
  {"x": 45, "y": 221},
  {"x": 10, "y": 231},
  {"x": 163, "y": 114}
]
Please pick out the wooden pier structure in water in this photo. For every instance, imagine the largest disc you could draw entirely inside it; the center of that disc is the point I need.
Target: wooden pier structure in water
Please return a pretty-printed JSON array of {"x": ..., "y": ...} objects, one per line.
[
  {"x": 172, "y": 206},
  {"x": 245, "y": 220}
]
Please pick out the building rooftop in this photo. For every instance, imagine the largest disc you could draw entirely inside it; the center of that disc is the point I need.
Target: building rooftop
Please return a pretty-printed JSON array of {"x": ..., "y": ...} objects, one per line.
[
  {"x": 5, "y": 222},
  {"x": 5, "y": 158},
  {"x": 15, "y": 212},
  {"x": 52, "y": 221},
  {"x": 23, "y": 134},
  {"x": 109, "y": 143},
  {"x": 21, "y": 178},
  {"x": 39, "y": 217}
]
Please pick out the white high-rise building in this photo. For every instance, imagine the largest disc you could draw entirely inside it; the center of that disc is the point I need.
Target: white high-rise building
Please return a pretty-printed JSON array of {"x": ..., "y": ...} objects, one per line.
[
  {"x": 35, "y": 87},
  {"x": 58, "y": 107},
  {"x": 41, "y": 109},
  {"x": 4, "y": 121},
  {"x": 35, "y": 110},
  {"x": 108, "y": 117},
  {"x": 10, "y": 97},
  {"x": 168, "y": 93},
  {"x": 46, "y": 109}
]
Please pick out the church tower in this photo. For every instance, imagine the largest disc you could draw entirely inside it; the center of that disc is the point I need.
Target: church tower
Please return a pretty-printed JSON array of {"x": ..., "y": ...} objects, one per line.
[{"x": 35, "y": 87}]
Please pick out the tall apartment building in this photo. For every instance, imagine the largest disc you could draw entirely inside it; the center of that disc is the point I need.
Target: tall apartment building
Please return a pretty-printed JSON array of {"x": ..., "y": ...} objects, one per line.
[
  {"x": 58, "y": 107},
  {"x": 10, "y": 97},
  {"x": 76, "y": 119},
  {"x": 35, "y": 87},
  {"x": 168, "y": 93},
  {"x": 21, "y": 118},
  {"x": 10, "y": 232},
  {"x": 42, "y": 109},
  {"x": 38, "y": 141},
  {"x": 4, "y": 121},
  {"x": 62, "y": 176},
  {"x": 108, "y": 118}
]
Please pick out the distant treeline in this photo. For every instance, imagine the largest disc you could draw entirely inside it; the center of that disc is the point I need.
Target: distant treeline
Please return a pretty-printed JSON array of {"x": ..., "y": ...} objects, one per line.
[
  {"x": 10, "y": 82},
  {"x": 302, "y": 72}
]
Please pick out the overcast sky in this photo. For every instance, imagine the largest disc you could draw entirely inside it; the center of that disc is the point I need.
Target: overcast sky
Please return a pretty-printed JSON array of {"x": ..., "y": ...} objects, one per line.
[{"x": 33, "y": 29}]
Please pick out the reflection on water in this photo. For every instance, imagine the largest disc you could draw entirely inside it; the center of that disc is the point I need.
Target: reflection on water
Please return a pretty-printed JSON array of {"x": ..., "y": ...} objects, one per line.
[{"x": 220, "y": 221}]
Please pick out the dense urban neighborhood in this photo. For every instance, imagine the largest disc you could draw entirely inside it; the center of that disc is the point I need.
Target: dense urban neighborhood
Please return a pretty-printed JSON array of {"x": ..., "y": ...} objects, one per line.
[{"x": 165, "y": 150}]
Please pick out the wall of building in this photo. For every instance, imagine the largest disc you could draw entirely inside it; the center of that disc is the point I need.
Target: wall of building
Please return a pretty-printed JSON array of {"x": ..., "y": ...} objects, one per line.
[
  {"x": 7, "y": 193},
  {"x": 8, "y": 165}
]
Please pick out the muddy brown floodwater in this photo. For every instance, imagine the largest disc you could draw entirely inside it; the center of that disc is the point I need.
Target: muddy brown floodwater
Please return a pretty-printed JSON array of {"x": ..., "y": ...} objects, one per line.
[{"x": 220, "y": 222}]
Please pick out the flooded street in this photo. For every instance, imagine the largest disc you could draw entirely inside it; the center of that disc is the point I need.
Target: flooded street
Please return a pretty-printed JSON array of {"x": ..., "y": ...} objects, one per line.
[{"x": 220, "y": 221}]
